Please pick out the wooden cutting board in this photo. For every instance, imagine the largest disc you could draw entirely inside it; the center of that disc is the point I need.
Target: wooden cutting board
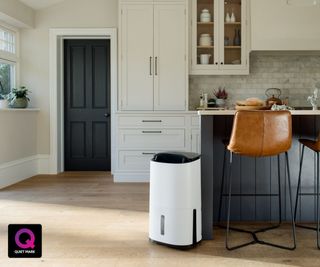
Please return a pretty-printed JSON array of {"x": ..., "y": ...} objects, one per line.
[{"x": 251, "y": 107}]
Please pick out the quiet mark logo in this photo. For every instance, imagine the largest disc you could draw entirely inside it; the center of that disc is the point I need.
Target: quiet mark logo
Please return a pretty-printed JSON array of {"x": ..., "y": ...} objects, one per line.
[{"x": 24, "y": 240}]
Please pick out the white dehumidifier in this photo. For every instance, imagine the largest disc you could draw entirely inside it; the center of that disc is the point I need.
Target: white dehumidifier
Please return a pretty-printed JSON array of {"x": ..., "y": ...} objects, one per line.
[{"x": 175, "y": 199}]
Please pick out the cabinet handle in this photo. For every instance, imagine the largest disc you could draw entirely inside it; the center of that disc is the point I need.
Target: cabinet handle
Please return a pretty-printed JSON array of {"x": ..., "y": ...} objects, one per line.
[
  {"x": 148, "y": 153},
  {"x": 156, "y": 66},
  {"x": 216, "y": 63},
  {"x": 152, "y": 132},
  {"x": 221, "y": 63},
  {"x": 150, "y": 66},
  {"x": 152, "y": 121}
]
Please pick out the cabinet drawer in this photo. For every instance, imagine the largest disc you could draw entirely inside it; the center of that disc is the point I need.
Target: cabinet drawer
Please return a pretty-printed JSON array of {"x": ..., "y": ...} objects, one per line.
[
  {"x": 152, "y": 138},
  {"x": 148, "y": 121},
  {"x": 195, "y": 121},
  {"x": 135, "y": 160}
]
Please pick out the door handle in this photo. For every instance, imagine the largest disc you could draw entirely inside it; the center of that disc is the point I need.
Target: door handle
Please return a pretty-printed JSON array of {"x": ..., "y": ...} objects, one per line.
[
  {"x": 156, "y": 66},
  {"x": 150, "y": 66},
  {"x": 107, "y": 115}
]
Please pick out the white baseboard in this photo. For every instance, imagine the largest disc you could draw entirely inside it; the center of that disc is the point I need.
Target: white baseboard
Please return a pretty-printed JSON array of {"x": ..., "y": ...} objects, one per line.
[
  {"x": 121, "y": 177},
  {"x": 18, "y": 170},
  {"x": 43, "y": 164}
]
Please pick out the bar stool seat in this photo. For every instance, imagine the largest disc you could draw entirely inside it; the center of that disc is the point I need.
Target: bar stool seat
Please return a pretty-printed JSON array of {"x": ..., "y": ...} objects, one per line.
[
  {"x": 259, "y": 134},
  {"x": 313, "y": 145}
]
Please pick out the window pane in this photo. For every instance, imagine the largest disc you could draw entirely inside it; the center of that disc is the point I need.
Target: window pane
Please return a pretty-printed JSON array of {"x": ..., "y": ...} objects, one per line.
[
  {"x": 6, "y": 78},
  {"x": 7, "y": 41}
]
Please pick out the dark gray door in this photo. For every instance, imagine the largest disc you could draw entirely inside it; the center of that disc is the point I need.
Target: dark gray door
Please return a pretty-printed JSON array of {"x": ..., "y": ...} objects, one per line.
[{"x": 87, "y": 105}]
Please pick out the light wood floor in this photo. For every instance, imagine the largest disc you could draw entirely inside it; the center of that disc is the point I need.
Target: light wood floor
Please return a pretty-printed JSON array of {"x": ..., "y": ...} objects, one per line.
[{"x": 89, "y": 221}]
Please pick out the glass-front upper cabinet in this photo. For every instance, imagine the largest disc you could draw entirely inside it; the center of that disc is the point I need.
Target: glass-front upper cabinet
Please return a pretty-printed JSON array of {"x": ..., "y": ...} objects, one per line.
[{"x": 219, "y": 36}]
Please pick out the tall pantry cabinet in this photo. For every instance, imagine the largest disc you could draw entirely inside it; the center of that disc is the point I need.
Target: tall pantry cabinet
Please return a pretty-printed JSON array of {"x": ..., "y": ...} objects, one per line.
[
  {"x": 153, "y": 56},
  {"x": 153, "y": 93}
]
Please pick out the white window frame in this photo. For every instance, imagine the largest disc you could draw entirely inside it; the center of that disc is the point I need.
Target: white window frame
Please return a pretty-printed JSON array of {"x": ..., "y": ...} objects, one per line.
[{"x": 12, "y": 59}]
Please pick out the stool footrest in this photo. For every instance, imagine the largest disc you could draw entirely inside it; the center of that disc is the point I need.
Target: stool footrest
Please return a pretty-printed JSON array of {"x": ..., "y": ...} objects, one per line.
[
  {"x": 255, "y": 238},
  {"x": 306, "y": 227}
]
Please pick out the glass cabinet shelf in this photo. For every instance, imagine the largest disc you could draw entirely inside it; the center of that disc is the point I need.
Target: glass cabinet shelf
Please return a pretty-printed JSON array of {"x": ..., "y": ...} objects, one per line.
[{"x": 219, "y": 37}]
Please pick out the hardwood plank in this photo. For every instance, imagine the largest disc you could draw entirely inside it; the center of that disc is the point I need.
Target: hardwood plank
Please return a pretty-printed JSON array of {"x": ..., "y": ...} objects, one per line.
[{"x": 90, "y": 221}]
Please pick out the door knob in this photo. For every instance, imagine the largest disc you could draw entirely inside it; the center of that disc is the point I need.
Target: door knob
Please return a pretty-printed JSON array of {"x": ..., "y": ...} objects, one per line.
[{"x": 107, "y": 115}]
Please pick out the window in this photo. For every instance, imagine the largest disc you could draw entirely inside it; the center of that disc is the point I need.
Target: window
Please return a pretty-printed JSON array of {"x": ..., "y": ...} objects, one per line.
[
  {"x": 7, "y": 77},
  {"x": 7, "y": 41},
  {"x": 8, "y": 59}
]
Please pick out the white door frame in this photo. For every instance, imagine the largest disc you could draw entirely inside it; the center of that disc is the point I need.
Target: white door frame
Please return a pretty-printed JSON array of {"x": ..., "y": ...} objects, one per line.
[{"x": 56, "y": 160}]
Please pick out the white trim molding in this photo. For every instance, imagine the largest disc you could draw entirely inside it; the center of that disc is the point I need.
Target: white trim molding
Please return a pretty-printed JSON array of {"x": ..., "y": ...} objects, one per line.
[
  {"x": 56, "y": 161},
  {"x": 18, "y": 170}
]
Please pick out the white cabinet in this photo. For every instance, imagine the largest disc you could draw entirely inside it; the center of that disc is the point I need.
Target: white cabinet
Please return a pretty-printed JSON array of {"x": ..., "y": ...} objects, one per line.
[
  {"x": 277, "y": 25},
  {"x": 153, "y": 56},
  {"x": 136, "y": 57},
  {"x": 227, "y": 51},
  {"x": 195, "y": 134},
  {"x": 139, "y": 136},
  {"x": 195, "y": 141}
]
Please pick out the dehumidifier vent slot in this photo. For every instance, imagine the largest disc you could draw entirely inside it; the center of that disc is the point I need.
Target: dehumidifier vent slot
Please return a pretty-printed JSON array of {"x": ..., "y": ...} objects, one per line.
[{"x": 162, "y": 225}]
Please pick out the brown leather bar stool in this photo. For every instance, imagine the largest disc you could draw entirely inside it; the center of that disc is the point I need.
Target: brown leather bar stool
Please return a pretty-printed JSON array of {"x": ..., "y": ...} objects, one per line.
[
  {"x": 315, "y": 147},
  {"x": 260, "y": 134}
]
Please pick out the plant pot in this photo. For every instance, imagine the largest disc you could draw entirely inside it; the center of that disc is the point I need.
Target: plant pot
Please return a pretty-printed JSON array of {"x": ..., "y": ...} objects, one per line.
[
  {"x": 19, "y": 103},
  {"x": 220, "y": 102},
  {"x": 4, "y": 103}
]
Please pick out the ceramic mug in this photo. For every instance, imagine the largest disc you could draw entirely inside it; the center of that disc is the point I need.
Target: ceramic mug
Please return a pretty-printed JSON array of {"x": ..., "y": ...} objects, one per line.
[{"x": 204, "y": 59}]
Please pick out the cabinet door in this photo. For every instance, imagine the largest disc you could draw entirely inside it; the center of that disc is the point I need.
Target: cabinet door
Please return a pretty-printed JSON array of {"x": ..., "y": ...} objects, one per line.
[
  {"x": 136, "y": 55},
  {"x": 205, "y": 56},
  {"x": 292, "y": 27},
  {"x": 195, "y": 141},
  {"x": 233, "y": 53},
  {"x": 170, "y": 55}
]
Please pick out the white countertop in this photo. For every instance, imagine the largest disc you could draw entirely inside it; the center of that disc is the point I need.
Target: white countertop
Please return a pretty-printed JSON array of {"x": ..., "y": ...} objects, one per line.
[{"x": 232, "y": 112}]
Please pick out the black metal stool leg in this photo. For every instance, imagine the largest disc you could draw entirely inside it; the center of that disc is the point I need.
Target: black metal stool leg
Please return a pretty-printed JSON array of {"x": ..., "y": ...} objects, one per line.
[
  {"x": 279, "y": 189},
  {"x": 299, "y": 184},
  {"x": 222, "y": 184},
  {"x": 229, "y": 202},
  {"x": 255, "y": 239},
  {"x": 291, "y": 206},
  {"x": 317, "y": 206}
]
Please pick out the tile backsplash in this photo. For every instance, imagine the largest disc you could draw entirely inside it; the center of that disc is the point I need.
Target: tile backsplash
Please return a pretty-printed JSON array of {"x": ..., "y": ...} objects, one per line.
[{"x": 295, "y": 75}]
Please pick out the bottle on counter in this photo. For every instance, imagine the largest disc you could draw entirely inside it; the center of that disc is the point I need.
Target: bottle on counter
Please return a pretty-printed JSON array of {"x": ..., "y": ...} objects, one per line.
[
  {"x": 205, "y": 100},
  {"x": 201, "y": 101}
]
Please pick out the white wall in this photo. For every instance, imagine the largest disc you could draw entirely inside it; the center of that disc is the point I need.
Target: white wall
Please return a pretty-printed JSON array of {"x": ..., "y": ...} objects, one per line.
[
  {"x": 18, "y": 135},
  {"x": 16, "y": 13},
  {"x": 18, "y": 147},
  {"x": 35, "y": 49}
]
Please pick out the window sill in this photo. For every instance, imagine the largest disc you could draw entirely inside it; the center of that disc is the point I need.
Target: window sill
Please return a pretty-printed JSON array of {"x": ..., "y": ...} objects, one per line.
[{"x": 20, "y": 109}]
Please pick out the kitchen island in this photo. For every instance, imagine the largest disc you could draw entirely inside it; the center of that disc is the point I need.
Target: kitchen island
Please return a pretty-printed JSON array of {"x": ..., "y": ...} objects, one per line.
[{"x": 254, "y": 176}]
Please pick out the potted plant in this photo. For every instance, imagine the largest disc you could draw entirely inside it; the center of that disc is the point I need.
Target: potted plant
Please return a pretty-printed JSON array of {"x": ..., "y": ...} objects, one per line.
[
  {"x": 18, "y": 98},
  {"x": 221, "y": 96},
  {"x": 3, "y": 97}
]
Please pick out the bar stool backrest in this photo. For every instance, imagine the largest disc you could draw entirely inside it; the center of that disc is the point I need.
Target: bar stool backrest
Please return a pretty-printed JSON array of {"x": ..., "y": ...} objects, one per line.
[{"x": 261, "y": 133}]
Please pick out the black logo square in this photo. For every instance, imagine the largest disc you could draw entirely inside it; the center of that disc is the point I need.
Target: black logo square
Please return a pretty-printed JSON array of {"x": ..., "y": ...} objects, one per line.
[{"x": 24, "y": 240}]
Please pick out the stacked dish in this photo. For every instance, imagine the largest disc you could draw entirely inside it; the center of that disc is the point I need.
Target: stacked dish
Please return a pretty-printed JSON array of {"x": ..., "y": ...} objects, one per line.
[{"x": 252, "y": 103}]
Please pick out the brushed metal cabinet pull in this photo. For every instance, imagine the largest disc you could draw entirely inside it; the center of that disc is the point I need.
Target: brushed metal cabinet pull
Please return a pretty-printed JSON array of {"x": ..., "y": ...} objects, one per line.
[
  {"x": 148, "y": 153},
  {"x": 156, "y": 66},
  {"x": 152, "y": 132},
  {"x": 150, "y": 66},
  {"x": 151, "y": 120}
]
